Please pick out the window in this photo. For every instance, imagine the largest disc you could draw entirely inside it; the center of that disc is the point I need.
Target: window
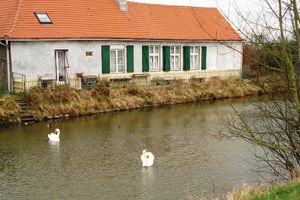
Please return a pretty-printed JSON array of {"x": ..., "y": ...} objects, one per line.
[
  {"x": 154, "y": 58},
  {"x": 117, "y": 60},
  {"x": 195, "y": 58},
  {"x": 175, "y": 58},
  {"x": 43, "y": 17}
]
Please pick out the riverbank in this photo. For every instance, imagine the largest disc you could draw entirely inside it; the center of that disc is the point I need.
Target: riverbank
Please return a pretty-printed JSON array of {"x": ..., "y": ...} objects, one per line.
[
  {"x": 9, "y": 109},
  {"x": 67, "y": 102},
  {"x": 286, "y": 191}
]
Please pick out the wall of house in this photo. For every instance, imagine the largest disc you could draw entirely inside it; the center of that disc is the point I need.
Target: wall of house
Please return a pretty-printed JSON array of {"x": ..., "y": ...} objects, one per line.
[
  {"x": 38, "y": 58},
  {"x": 3, "y": 64}
]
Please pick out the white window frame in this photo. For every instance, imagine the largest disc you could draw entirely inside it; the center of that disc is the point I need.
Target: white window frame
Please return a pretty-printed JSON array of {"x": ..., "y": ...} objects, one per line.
[
  {"x": 155, "y": 55},
  {"x": 116, "y": 49},
  {"x": 173, "y": 56},
  {"x": 193, "y": 53}
]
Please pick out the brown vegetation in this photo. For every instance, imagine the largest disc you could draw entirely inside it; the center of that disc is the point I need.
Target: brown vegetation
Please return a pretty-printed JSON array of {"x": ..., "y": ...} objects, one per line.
[
  {"x": 9, "y": 109},
  {"x": 64, "y": 100}
]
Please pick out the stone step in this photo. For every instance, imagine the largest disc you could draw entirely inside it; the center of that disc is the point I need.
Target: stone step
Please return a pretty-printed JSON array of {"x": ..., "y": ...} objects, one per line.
[
  {"x": 26, "y": 115},
  {"x": 28, "y": 119}
]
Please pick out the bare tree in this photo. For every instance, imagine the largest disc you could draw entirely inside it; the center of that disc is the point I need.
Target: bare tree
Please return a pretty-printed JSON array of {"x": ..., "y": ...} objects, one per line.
[{"x": 275, "y": 125}]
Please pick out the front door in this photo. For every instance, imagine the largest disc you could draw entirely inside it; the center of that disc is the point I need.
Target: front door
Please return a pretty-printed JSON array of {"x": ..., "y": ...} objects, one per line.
[{"x": 61, "y": 66}]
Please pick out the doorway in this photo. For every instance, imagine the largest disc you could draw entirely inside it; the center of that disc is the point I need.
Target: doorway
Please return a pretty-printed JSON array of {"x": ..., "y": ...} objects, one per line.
[{"x": 62, "y": 64}]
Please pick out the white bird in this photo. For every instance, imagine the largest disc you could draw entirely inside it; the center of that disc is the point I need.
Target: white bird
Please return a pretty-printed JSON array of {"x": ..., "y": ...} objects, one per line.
[
  {"x": 54, "y": 136},
  {"x": 147, "y": 158}
]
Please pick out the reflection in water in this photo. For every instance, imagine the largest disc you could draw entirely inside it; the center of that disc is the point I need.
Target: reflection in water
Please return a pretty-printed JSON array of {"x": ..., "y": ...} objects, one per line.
[
  {"x": 54, "y": 146},
  {"x": 99, "y": 157},
  {"x": 147, "y": 182}
]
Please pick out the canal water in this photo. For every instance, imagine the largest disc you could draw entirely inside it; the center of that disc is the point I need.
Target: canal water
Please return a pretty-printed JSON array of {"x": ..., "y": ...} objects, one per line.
[{"x": 99, "y": 157}]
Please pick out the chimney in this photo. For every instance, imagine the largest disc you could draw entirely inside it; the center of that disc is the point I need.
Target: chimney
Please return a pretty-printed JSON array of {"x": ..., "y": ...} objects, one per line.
[{"x": 122, "y": 5}]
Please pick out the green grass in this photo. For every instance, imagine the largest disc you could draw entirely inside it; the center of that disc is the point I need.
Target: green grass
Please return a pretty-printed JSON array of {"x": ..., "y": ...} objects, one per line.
[{"x": 289, "y": 191}]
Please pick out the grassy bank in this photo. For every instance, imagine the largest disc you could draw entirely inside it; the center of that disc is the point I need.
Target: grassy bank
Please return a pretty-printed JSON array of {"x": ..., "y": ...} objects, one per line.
[
  {"x": 67, "y": 101},
  {"x": 64, "y": 101},
  {"x": 287, "y": 191}
]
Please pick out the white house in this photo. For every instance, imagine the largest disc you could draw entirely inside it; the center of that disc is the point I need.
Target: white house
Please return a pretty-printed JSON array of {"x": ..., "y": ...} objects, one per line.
[{"x": 68, "y": 41}]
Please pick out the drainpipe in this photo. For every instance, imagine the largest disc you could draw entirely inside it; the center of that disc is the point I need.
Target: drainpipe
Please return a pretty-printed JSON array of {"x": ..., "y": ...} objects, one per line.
[{"x": 8, "y": 67}]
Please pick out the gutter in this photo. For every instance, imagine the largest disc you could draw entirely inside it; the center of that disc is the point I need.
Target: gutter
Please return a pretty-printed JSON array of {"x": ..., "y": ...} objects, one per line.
[
  {"x": 3, "y": 44},
  {"x": 119, "y": 39}
]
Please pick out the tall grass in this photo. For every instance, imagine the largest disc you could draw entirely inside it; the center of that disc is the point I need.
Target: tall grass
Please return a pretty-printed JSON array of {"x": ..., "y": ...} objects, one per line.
[
  {"x": 65, "y": 100},
  {"x": 9, "y": 109}
]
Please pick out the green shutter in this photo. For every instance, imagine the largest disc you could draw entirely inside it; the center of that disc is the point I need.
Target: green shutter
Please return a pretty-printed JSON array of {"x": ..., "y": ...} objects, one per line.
[
  {"x": 186, "y": 58},
  {"x": 145, "y": 58},
  {"x": 203, "y": 58},
  {"x": 166, "y": 58},
  {"x": 105, "y": 59},
  {"x": 130, "y": 62}
]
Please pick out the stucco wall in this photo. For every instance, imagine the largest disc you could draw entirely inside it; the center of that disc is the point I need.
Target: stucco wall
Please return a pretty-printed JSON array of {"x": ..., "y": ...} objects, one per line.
[
  {"x": 2, "y": 67},
  {"x": 38, "y": 58}
]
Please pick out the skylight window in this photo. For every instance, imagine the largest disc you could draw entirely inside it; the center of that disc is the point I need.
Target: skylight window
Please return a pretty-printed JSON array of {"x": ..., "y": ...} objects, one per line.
[{"x": 43, "y": 17}]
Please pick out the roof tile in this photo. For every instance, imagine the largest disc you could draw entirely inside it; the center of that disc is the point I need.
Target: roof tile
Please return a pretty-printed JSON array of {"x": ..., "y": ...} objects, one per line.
[{"x": 102, "y": 19}]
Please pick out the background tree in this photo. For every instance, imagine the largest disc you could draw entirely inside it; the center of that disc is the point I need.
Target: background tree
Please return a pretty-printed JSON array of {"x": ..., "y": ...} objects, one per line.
[{"x": 275, "y": 126}]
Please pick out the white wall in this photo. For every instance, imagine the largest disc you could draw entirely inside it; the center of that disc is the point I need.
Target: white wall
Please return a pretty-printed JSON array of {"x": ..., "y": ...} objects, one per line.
[
  {"x": 230, "y": 56},
  {"x": 38, "y": 58}
]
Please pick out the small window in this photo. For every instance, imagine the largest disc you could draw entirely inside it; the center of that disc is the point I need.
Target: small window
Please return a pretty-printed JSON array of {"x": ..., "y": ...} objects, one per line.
[
  {"x": 154, "y": 56},
  {"x": 43, "y": 17},
  {"x": 117, "y": 60}
]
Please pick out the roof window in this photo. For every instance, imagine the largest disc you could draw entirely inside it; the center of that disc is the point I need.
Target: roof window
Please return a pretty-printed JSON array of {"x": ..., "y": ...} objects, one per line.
[{"x": 43, "y": 17}]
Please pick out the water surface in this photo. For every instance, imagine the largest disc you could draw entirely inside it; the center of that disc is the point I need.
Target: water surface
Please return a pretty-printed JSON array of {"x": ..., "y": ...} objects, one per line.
[{"x": 99, "y": 157}]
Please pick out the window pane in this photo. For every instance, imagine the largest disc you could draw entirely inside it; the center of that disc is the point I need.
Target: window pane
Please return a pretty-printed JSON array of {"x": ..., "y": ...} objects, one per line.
[
  {"x": 113, "y": 54},
  {"x": 113, "y": 65},
  {"x": 120, "y": 68},
  {"x": 113, "y": 61},
  {"x": 120, "y": 53},
  {"x": 151, "y": 62},
  {"x": 156, "y": 62},
  {"x": 43, "y": 18},
  {"x": 120, "y": 61},
  {"x": 151, "y": 50},
  {"x": 177, "y": 62},
  {"x": 172, "y": 50},
  {"x": 177, "y": 50},
  {"x": 156, "y": 50}
]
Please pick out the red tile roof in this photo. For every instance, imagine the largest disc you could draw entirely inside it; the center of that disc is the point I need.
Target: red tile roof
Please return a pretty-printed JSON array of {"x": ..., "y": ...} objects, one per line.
[{"x": 102, "y": 19}]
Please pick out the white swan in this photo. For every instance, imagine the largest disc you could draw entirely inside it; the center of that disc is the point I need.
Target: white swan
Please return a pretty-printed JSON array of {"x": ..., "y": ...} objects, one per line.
[
  {"x": 54, "y": 136},
  {"x": 147, "y": 158}
]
